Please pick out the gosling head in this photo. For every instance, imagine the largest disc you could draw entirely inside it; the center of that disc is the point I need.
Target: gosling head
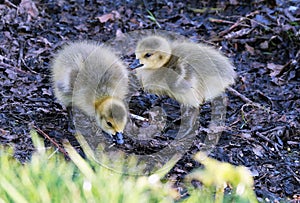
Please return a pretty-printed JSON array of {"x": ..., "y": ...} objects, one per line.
[
  {"x": 111, "y": 116},
  {"x": 152, "y": 52}
]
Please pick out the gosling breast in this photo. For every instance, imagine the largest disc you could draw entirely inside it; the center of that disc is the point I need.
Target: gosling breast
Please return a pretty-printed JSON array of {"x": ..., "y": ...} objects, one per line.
[
  {"x": 92, "y": 78},
  {"x": 83, "y": 72},
  {"x": 191, "y": 73}
]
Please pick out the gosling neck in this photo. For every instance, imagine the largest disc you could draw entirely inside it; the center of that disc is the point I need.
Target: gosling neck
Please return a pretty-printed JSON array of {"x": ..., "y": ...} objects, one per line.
[
  {"x": 104, "y": 101},
  {"x": 172, "y": 61},
  {"x": 99, "y": 103}
]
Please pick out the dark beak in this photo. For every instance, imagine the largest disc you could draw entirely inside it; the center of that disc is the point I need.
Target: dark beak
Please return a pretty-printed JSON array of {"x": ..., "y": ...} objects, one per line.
[
  {"x": 119, "y": 138},
  {"x": 136, "y": 64}
]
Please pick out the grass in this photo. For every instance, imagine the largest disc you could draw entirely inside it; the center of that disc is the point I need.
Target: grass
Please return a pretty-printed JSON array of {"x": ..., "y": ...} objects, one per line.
[
  {"x": 218, "y": 175},
  {"x": 49, "y": 178},
  {"x": 152, "y": 18}
]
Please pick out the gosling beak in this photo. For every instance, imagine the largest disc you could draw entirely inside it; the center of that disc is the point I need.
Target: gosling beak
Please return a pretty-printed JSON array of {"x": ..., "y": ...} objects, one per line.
[
  {"x": 136, "y": 64},
  {"x": 119, "y": 138}
]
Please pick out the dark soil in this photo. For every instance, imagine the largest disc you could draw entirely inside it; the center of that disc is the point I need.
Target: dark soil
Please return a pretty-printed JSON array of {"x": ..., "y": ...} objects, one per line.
[{"x": 262, "y": 39}]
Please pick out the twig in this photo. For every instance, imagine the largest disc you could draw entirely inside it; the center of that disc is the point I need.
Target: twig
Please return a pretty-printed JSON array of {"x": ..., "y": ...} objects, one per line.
[
  {"x": 249, "y": 102},
  {"x": 6, "y": 65},
  {"x": 21, "y": 54},
  {"x": 238, "y": 33},
  {"x": 293, "y": 173},
  {"x": 236, "y": 93},
  {"x": 215, "y": 20},
  {"x": 263, "y": 25},
  {"x": 28, "y": 68},
  {"x": 10, "y": 4},
  {"x": 238, "y": 23},
  {"x": 13, "y": 67},
  {"x": 268, "y": 140},
  {"x": 232, "y": 27},
  {"x": 204, "y": 10},
  {"x": 62, "y": 150},
  {"x": 274, "y": 129},
  {"x": 138, "y": 117}
]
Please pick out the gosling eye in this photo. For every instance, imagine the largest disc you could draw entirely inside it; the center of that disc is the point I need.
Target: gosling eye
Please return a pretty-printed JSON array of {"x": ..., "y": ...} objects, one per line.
[
  {"x": 147, "y": 55},
  {"x": 109, "y": 124}
]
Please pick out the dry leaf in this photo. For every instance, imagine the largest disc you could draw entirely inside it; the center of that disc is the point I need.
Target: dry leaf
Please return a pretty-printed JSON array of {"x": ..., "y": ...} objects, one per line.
[
  {"x": 258, "y": 150},
  {"x": 104, "y": 18},
  {"x": 109, "y": 16},
  {"x": 275, "y": 69},
  {"x": 29, "y": 7},
  {"x": 116, "y": 14},
  {"x": 238, "y": 33},
  {"x": 250, "y": 49},
  {"x": 119, "y": 33},
  {"x": 246, "y": 135}
]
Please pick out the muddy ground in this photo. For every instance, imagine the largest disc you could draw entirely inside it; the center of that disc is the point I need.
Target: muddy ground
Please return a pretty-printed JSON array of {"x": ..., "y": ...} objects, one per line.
[{"x": 260, "y": 37}]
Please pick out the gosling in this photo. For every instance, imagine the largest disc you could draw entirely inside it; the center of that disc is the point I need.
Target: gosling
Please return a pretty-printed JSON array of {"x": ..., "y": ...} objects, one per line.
[
  {"x": 187, "y": 72},
  {"x": 92, "y": 78}
]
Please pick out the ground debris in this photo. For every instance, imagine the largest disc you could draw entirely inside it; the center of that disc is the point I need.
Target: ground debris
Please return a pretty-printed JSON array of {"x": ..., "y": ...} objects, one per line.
[{"x": 261, "y": 37}]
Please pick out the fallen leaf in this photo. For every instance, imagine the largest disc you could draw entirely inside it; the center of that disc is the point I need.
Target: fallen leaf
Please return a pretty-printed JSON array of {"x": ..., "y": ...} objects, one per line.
[
  {"x": 264, "y": 45},
  {"x": 81, "y": 27},
  {"x": 104, "y": 18},
  {"x": 3, "y": 132},
  {"x": 258, "y": 151},
  {"x": 275, "y": 69},
  {"x": 262, "y": 19},
  {"x": 47, "y": 91},
  {"x": 119, "y": 33},
  {"x": 116, "y": 14},
  {"x": 109, "y": 16},
  {"x": 11, "y": 74},
  {"x": 250, "y": 49},
  {"x": 246, "y": 135},
  {"x": 233, "y": 2},
  {"x": 29, "y": 7}
]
